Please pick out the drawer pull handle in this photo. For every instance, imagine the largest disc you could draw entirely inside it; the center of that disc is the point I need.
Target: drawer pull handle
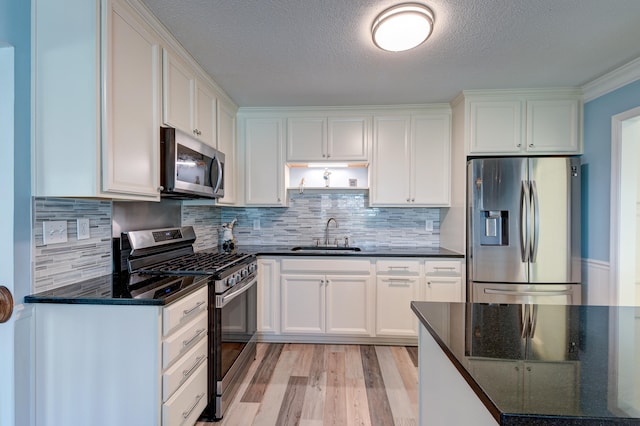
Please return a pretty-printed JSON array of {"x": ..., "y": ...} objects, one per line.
[
  {"x": 396, "y": 281},
  {"x": 447, "y": 268},
  {"x": 188, "y": 311},
  {"x": 186, "y": 414},
  {"x": 190, "y": 341},
  {"x": 187, "y": 373},
  {"x": 404, "y": 268}
]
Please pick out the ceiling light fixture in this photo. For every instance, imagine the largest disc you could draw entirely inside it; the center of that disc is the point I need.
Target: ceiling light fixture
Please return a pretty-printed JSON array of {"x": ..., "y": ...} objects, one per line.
[{"x": 402, "y": 27}]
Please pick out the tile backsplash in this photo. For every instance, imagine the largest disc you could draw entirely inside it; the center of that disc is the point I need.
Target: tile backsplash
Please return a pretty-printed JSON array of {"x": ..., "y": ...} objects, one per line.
[
  {"x": 76, "y": 260},
  {"x": 308, "y": 213},
  {"x": 56, "y": 265}
]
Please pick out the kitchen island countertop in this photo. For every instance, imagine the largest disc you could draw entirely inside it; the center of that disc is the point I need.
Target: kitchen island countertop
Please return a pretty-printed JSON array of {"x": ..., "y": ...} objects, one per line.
[{"x": 592, "y": 377}]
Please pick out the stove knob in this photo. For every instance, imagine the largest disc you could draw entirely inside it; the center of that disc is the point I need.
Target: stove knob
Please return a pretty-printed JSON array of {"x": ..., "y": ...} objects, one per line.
[
  {"x": 244, "y": 272},
  {"x": 231, "y": 281}
]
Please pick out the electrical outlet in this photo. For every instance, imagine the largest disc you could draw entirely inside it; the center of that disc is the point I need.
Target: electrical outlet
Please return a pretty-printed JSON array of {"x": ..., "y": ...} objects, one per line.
[
  {"x": 54, "y": 232},
  {"x": 428, "y": 225},
  {"x": 256, "y": 224},
  {"x": 83, "y": 229}
]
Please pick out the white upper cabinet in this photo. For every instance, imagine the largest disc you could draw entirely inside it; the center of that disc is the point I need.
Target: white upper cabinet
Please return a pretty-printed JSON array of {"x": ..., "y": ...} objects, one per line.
[
  {"x": 96, "y": 96},
  {"x": 228, "y": 146},
  {"x": 188, "y": 103},
  {"x": 523, "y": 123},
  {"x": 327, "y": 138},
  {"x": 263, "y": 144},
  {"x": 411, "y": 160}
]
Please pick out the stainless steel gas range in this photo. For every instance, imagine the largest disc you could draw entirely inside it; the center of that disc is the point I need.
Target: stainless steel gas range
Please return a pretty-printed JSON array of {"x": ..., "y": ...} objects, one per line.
[{"x": 232, "y": 300}]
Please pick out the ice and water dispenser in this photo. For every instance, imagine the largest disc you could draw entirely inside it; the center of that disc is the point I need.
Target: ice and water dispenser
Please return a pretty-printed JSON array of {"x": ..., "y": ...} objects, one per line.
[{"x": 496, "y": 228}]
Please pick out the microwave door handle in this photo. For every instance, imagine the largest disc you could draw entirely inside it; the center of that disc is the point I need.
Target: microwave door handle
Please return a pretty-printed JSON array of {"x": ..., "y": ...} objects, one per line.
[{"x": 218, "y": 175}]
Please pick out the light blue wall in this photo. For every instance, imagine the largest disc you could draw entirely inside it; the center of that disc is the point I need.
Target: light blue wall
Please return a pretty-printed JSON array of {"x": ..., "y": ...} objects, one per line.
[
  {"x": 15, "y": 29},
  {"x": 596, "y": 184}
]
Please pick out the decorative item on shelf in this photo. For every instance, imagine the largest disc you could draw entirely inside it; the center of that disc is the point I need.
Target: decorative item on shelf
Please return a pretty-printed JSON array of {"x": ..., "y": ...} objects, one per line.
[
  {"x": 301, "y": 187},
  {"x": 228, "y": 240},
  {"x": 353, "y": 183},
  {"x": 326, "y": 177}
]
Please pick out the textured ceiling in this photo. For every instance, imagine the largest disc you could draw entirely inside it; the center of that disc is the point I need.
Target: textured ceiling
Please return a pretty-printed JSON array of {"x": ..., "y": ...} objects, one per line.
[{"x": 319, "y": 52}]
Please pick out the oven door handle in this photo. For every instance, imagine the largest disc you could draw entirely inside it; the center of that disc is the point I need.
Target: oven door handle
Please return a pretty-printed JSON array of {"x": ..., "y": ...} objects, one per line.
[{"x": 223, "y": 299}]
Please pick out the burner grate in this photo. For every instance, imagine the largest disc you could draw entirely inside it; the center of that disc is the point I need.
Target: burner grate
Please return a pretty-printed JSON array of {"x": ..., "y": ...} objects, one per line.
[{"x": 196, "y": 263}]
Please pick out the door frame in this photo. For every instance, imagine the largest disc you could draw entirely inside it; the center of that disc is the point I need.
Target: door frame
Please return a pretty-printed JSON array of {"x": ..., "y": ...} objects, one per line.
[{"x": 616, "y": 248}]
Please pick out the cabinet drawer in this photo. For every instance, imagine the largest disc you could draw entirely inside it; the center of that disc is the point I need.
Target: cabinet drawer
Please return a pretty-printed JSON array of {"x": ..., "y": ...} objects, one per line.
[
  {"x": 183, "y": 310},
  {"x": 326, "y": 266},
  {"x": 184, "y": 368},
  {"x": 184, "y": 339},
  {"x": 451, "y": 268},
  {"x": 444, "y": 289},
  {"x": 186, "y": 405},
  {"x": 398, "y": 267}
]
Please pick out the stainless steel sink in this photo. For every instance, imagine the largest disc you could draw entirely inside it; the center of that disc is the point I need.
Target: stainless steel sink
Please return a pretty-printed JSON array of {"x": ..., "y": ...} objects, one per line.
[{"x": 333, "y": 249}]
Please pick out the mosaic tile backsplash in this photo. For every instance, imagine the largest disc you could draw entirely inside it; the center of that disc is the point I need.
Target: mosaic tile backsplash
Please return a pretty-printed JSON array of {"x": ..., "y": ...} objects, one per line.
[
  {"x": 308, "y": 213},
  {"x": 76, "y": 260}
]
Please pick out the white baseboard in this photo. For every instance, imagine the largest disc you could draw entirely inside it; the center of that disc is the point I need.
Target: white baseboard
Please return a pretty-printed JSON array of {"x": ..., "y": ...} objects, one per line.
[{"x": 596, "y": 280}]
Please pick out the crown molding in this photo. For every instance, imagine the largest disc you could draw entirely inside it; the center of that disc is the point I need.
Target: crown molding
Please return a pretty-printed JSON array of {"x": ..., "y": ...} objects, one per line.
[{"x": 611, "y": 81}]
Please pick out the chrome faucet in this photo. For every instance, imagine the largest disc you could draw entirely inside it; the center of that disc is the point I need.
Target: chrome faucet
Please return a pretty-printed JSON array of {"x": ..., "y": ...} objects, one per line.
[{"x": 326, "y": 230}]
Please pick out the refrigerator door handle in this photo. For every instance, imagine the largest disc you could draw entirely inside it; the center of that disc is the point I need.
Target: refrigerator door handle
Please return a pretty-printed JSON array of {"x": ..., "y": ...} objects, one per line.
[
  {"x": 525, "y": 208},
  {"x": 536, "y": 221},
  {"x": 567, "y": 292}
]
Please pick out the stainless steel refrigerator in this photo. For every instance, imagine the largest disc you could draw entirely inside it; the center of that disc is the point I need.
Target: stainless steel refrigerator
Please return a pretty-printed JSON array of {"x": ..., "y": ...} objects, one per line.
[{"x": 524, "y": 230}]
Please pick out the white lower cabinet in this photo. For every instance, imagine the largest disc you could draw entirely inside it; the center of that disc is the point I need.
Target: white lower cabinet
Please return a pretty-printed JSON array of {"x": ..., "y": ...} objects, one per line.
[
  {"x": 121, "y": 364},
  {"x": 328, "y": 298},
  {"x": 398, "y": 283},
  {"x": 443, "y": 280},
  {"x": 393, "y": 313},
  {"x": 326, "y": 304},
  {"x": 337, "y": 301}
]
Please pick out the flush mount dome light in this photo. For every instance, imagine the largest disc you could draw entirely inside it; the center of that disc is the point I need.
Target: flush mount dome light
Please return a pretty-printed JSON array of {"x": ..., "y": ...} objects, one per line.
[{"x": 402, "y": 27}]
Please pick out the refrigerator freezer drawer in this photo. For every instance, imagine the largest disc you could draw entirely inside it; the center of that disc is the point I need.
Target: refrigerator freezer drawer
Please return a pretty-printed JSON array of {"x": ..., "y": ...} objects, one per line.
[{"x": 548, "y": 294}]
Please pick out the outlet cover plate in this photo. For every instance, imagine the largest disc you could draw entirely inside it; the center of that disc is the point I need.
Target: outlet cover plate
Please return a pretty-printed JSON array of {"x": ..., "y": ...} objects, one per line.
[
  {"x": 54, "y": 232},
  {"x": 83, "y": 229}
]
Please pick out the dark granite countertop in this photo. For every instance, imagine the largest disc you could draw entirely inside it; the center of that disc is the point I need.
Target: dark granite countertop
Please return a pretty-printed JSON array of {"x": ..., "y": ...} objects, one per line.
[
  {"x": 366, "y": 251},
  {"x": 577, "y": 365},
  {"x": 111, "y": 290}
]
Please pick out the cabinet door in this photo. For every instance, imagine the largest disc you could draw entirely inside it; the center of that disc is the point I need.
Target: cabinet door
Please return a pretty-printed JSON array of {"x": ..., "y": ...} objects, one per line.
[
  {"x": 178, "y": 94},
  {"x": 444, "y": 289},
  {"x": 553, "y": 126},
  {"x": 496, "y": 126},
  {"x": 205, "y": 114},
  {"x": 349, "y": 305},
  {"x": 264, "y": 165},
  {"x": 226, "y": 125},
  {"x": 390, "y": 166},
  {"x": 306, "y": 139},
  {"x": 348, "y": 139},
  {"x": 130, "y": 148},
  {"x": 393, "y": 312},
  {"x": 431, "y": 160},
  {"x": 268, "y": 296},
  {"x": 302, "y": 304}
]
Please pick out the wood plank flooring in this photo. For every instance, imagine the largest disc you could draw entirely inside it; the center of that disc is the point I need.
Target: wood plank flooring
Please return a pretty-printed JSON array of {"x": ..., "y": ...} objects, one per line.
[{"x": 316, "y": 385}]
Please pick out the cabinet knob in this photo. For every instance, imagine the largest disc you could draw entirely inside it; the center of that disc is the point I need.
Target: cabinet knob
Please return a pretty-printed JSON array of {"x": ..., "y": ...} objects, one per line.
[
  {"x": 413, "y": 200},
  {"x": 519, "y": 145},
  {"x": 160, "y": 188},
  {"x": 530, "y": 145},
  {"x": 324, "y": 156},
  {"x": 408, "y": 199}
]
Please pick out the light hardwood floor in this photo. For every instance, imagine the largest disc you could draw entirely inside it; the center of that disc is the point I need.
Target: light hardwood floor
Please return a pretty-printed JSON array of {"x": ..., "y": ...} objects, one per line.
[{"x": 315, "y": 385}]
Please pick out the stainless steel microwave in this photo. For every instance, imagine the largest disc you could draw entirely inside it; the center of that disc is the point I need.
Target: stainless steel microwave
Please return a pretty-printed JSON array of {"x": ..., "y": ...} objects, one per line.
[{"x": 189, "y": 168}]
